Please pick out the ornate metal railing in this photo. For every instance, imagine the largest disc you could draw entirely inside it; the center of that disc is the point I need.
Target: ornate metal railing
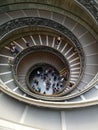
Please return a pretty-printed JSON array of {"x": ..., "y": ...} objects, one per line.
[
  {"x": 31, "y": 50},
  {"x": 17, "y": 59},
  {"x": 38, "y": 48},
  {"x": 64, "y": 104},
  {"x": 91, "y": 6},
  {"x": 15, "y": 24},
  {"x": 29, "y": 22}
]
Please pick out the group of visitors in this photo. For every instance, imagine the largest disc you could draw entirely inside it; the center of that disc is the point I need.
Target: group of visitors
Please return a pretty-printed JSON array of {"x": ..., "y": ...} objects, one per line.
[
  {"x": 47, "y": 81},
  {"x": 14, "y": 50}
]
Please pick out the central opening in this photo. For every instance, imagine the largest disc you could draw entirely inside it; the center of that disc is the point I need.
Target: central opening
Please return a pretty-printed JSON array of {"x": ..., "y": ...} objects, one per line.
[
  {"x": 46, "y": 71},
  {"x": 45, "y": 79}
]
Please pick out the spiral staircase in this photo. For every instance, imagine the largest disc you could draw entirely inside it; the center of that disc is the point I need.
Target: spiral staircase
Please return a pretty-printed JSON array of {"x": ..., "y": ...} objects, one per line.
[{"x": 39, "y": 24}]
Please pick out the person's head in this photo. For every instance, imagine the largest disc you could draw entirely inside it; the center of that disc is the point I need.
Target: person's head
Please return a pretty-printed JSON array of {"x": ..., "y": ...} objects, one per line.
[
  {"x": 9, "y": 58},
  {"x": 12, "y": 43}
]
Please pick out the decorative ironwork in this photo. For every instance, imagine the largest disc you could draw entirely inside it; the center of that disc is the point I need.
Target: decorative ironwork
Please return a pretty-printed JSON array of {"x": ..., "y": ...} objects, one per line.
[
  {"x": 38, "y": 48},
  {"x": 15, "y": 24},
  {"x": 90, "y": 5},
  {"x": 35, "y": 21},
  {"x": 42, "y": 22}
]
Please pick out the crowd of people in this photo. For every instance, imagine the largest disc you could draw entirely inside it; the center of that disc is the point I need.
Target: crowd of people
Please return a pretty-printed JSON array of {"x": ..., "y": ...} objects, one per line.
[{"x": 46, "y": 81}]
